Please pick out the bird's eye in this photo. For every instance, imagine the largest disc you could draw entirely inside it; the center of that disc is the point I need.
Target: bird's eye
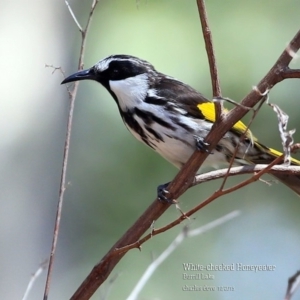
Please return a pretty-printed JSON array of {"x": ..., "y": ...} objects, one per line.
[{"x": 114, "y": 73}]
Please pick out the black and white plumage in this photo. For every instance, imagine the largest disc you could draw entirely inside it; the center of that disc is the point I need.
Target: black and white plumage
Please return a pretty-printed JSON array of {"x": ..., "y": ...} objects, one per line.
[{"x": 168, "y": 115}]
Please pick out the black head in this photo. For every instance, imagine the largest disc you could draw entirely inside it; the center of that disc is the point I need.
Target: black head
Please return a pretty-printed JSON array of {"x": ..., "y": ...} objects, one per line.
[{"x": 113, "y": 68}]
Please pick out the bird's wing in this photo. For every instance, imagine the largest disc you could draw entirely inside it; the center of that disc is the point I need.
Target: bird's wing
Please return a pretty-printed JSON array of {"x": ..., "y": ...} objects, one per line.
[{"x": 194, "y": 103}]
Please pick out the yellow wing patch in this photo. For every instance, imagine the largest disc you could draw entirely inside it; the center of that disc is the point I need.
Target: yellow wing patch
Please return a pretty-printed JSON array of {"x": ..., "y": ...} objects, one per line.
[{"x": 208, "y": 111}]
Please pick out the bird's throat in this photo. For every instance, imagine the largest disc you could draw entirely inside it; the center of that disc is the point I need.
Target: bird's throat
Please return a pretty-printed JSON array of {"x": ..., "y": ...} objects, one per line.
[{"x": 131, "y": 91}]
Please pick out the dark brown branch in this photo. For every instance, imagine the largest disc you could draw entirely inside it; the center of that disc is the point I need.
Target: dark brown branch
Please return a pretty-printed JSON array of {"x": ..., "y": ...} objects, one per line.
[
  {"x": 215, "y": 81},
  {"x": 291, "y": 73}
]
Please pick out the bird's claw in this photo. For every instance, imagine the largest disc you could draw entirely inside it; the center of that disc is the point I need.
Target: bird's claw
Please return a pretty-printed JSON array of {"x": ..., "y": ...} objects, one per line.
[
  {"x": 201, "y": 145},
  {"x": 162, "y": 194}
]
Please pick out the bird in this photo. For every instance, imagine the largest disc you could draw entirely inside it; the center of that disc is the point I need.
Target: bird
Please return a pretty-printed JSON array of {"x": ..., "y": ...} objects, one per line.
[{"x": 173, "y": 118}]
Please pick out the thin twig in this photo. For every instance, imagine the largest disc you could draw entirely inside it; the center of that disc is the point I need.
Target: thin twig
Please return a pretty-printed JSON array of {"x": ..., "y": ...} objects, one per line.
[
  {"x": 72, "y": 95},
  {"x": 73, "y": 16},
  {"x": 215, "y": 81},
  {"x": 83, "y": 34},
  {"x": 209, "y": 49},
  {"x": 291, "y": 73},
  {"x": 55, "y": 69},
  {"x": 34, "y": 277},
  {"x": 234, "y": 171}
]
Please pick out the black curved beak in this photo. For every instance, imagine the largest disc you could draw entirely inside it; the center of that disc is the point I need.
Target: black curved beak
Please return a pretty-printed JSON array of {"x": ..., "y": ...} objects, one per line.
[{"x": 80, "y": 75}]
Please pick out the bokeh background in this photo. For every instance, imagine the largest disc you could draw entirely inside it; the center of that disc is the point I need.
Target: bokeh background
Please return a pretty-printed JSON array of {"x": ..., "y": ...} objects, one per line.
[{"x": 112, "y": 178}]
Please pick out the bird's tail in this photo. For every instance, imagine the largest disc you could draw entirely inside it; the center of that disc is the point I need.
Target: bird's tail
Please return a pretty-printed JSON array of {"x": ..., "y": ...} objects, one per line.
[{"x": 268, "y": 155}]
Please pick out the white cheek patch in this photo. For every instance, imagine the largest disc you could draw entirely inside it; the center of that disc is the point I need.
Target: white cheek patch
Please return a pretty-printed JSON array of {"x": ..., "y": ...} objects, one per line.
[{"x": 130, "y": 91}]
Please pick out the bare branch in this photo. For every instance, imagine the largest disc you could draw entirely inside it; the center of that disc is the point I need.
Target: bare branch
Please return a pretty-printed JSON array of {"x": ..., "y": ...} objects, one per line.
[
  {"x": 83, "y": 34},
  {"x": 217, "y": 174},
  {"x": 209, "y": 49},
  {"x": 291, "y": 73},
  {"x": 55, "y": 69}
]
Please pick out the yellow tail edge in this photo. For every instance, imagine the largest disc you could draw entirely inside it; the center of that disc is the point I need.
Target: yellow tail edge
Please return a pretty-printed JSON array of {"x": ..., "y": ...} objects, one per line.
[{"x": 277, "y": 154}]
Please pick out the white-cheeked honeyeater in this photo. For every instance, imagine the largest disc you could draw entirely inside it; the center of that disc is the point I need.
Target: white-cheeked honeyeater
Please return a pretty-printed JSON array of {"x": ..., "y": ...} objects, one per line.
[{"x": 172, "y": 118}]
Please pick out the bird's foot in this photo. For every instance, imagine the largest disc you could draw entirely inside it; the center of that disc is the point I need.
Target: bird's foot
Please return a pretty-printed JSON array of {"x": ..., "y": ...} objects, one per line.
[
  {"x": 163, "y": 194},
  {"x": 201, "y": 145}
]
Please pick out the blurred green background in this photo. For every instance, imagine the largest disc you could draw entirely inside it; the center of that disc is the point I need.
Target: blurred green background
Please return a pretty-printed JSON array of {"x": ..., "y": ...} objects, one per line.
[{"x": 112, "y": 178}]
